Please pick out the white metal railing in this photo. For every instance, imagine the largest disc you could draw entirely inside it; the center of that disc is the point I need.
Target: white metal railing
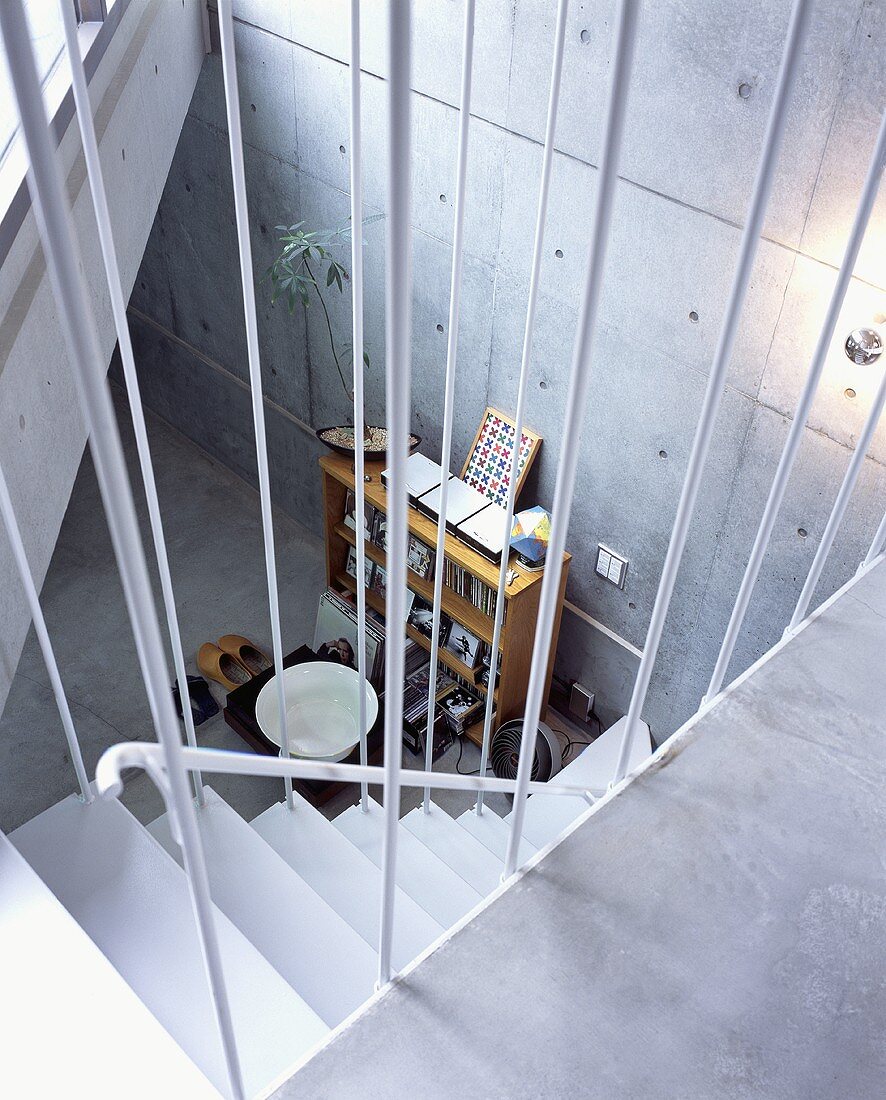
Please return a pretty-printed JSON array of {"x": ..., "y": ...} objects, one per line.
[
  {"x": 790, "y": 64},
  {"x": 461, "y": 183},
  {"x": 169, "y": 762}
]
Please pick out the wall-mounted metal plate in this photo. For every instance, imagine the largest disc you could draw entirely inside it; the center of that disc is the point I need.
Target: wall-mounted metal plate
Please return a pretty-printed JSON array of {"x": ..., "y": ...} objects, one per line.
[{"x": 611, "y": 566}]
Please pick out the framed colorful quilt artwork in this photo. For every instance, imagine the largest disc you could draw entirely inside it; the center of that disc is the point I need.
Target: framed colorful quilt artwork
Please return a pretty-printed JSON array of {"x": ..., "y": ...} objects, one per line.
[{"x": 488, "y": 466}]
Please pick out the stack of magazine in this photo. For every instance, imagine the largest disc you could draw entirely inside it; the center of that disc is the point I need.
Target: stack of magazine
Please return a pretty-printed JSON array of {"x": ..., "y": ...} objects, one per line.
[{"x": 335, "y": 636}]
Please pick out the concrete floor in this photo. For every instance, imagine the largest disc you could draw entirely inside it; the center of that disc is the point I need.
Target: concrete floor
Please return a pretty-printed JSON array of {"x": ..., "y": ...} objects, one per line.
[
  {"x": 716, "y": 930},
  {"x": 214, "y": 538}
]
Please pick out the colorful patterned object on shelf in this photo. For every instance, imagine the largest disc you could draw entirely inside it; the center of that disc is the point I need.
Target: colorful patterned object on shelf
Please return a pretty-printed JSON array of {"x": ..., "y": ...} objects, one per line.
[
  {"x": 488, "y": 467},
  {"x": 530, "y": 536}
]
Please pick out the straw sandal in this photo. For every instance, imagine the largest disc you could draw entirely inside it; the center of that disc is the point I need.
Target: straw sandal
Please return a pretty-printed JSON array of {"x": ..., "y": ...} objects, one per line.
[
  {"x": 222, "y": 667},
  {"x": 249, "y": 655}
]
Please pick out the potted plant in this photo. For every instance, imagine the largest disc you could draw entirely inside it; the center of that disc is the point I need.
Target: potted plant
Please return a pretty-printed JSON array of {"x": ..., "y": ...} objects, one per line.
[{"x": 306, "y": 267}]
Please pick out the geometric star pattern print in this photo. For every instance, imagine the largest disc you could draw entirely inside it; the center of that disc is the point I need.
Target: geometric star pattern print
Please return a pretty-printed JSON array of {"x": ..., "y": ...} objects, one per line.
[{"x": 489, "y": 468}]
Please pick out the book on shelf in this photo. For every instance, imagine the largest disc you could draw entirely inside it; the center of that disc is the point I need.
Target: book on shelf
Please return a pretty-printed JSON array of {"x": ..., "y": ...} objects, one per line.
[
  {"x": 421, "y": 617},
  {"x": 461, "y": 707},
  {"x": 369, "y": 567},
  {"x": 469, "y": 587},
  {"x": 335, "y": 636},
  {"x": 350, "y": 520},
  {"x": 419, "y": 557}
]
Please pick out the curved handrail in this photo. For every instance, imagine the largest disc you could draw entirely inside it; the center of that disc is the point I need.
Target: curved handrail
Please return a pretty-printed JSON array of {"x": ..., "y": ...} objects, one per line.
[{"x": 149, "y": 757}]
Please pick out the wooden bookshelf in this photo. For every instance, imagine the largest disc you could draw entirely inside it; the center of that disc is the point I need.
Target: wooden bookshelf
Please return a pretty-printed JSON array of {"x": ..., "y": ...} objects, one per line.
[{"x": 522, "y": 595}]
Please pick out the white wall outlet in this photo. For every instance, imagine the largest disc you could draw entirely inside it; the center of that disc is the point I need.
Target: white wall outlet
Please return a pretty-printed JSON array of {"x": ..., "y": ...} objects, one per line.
[{"x": 611, "y": 566}]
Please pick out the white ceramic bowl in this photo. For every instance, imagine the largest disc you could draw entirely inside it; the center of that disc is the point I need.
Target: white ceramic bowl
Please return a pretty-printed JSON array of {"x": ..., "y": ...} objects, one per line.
[{"x": 322, "y": 710}]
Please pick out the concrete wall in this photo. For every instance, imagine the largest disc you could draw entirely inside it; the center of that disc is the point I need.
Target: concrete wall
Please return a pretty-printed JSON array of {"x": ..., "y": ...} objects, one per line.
[
  {"x": 140, "y": 93},
  {"x": 688, "y": 168}
]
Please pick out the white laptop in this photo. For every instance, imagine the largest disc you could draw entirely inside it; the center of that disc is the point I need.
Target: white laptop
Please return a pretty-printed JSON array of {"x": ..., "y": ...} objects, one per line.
[
  {"x": 484, "y": 531},
  {"x": 422, "y": 475},
  {"x": 462, "y": 502}
]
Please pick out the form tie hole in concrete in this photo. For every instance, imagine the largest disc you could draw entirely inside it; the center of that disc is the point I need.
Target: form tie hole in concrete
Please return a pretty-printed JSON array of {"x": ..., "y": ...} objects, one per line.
[
  {"x": 142, "y": 285},
  {"x": 850, "y": 393},
  {"x": 341, "y": 149},
  {"x": 188, "y": 188},
  {"x": 662, "y": 454},
  {"x": 439, "y": 328},
  {"x": 204, "y": 325},
  {"x": 585, "y": 36},
  {"x": 123, "y": 152},
  {"x": 263, "y": 228},
  {"x": 442, "y": 198},
  {"x": 559, "y": 253},
  {"x": 802, "y": 532},
  {"x": 744, "y": 90},
  {"x": 21, "y": 422},
  {"x": 693, "y": 317},
  {"x": 252, "y": 107},
  {"x": 542, "y": 385},
  {"x": 632, "y": 605},
  {"x": 156, "y": 71}
]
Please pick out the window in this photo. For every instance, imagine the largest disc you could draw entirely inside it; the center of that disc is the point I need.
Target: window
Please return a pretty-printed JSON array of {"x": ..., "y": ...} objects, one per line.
[{"x": 48, "y": 39}]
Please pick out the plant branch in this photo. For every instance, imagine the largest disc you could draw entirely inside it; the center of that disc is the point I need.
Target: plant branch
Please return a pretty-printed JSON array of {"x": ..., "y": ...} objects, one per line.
[{"x": 348, "y": 393}]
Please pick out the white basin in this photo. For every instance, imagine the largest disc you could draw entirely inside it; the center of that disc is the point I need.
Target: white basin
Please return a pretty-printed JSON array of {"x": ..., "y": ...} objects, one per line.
[{"x": 322, "y": 710}]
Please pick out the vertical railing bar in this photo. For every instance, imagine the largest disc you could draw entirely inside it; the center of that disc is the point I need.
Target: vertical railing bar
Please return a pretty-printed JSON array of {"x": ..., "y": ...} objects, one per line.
[
  {"x": 801, "y": 414},
  {"x": 121, "y": 325},
  {"x": 576, "y": 399},
  {"x": 24, "y": 570},
  {"x": 522, "y": 385},
  {"x": 878, "y": 544},
  {"x": 790, "y": 64},
  {"x": 398, "y": 336},
  {"x": 241, "y": 208},
  {"x": 357, "y": 350},
  {"x": 464, "y": 126},
  {"x": 840, "y": 505},
  {"x": 78, "y": 327}
]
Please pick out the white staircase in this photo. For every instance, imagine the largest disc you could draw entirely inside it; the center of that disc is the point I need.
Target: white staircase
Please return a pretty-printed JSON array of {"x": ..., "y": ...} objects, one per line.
[
  {"x": 297, "y": 901},
  {"x": 133, "y": 901},
  {"x": 344, "y": 877},
  {"x": 317, "y": 951},
  {"x": 63, "y": 1005}
]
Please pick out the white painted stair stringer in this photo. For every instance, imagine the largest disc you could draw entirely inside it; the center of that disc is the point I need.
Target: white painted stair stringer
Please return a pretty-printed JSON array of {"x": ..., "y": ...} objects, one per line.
[
  {"x": 341, "y": 874},
  {"x": 427, "y": 879},
  {"x": 330, "y": 966},
  {"x": 133, "y": 901},
  {"x": 66, "y": 1015},
  {"x": 455, "y": 847}
]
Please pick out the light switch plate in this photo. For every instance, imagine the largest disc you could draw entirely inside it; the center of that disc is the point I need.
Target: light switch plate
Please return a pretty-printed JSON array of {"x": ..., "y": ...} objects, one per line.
[{"x": 611, "y": 566}]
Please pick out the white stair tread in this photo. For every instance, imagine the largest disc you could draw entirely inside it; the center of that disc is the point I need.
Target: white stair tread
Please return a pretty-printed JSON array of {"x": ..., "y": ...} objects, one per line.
[
  {"x": 595, "y": 765},
  {"x": 492, "y": 831},
  {"x": 456, "y": 847},
  {"x": 427, "y": 879},
  {"x": 343, "y": 877},
  {"x": 66, "y": 1015},
  {"x": 317, "y": 952},
  {"x": 134, "y": 903},
  {"x": 548, "y": 815}
]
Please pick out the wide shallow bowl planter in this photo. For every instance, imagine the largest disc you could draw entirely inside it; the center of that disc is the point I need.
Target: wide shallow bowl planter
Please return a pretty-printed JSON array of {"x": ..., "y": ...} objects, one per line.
[
  {"x": 322, "y": 710},
  {"x": 341, "y": 439}
]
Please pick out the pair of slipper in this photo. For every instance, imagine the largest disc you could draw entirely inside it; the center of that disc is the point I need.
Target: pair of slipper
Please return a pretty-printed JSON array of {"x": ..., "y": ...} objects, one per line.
[
  {"x": 233, "y": 662},
  {"x": 203, "y": 706}
]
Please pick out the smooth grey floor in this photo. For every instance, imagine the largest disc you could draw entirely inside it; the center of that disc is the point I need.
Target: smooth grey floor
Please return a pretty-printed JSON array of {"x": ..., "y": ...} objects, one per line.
[
  {"x": 214, "y": 538},
  {"x": 718, "y": 930}
]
